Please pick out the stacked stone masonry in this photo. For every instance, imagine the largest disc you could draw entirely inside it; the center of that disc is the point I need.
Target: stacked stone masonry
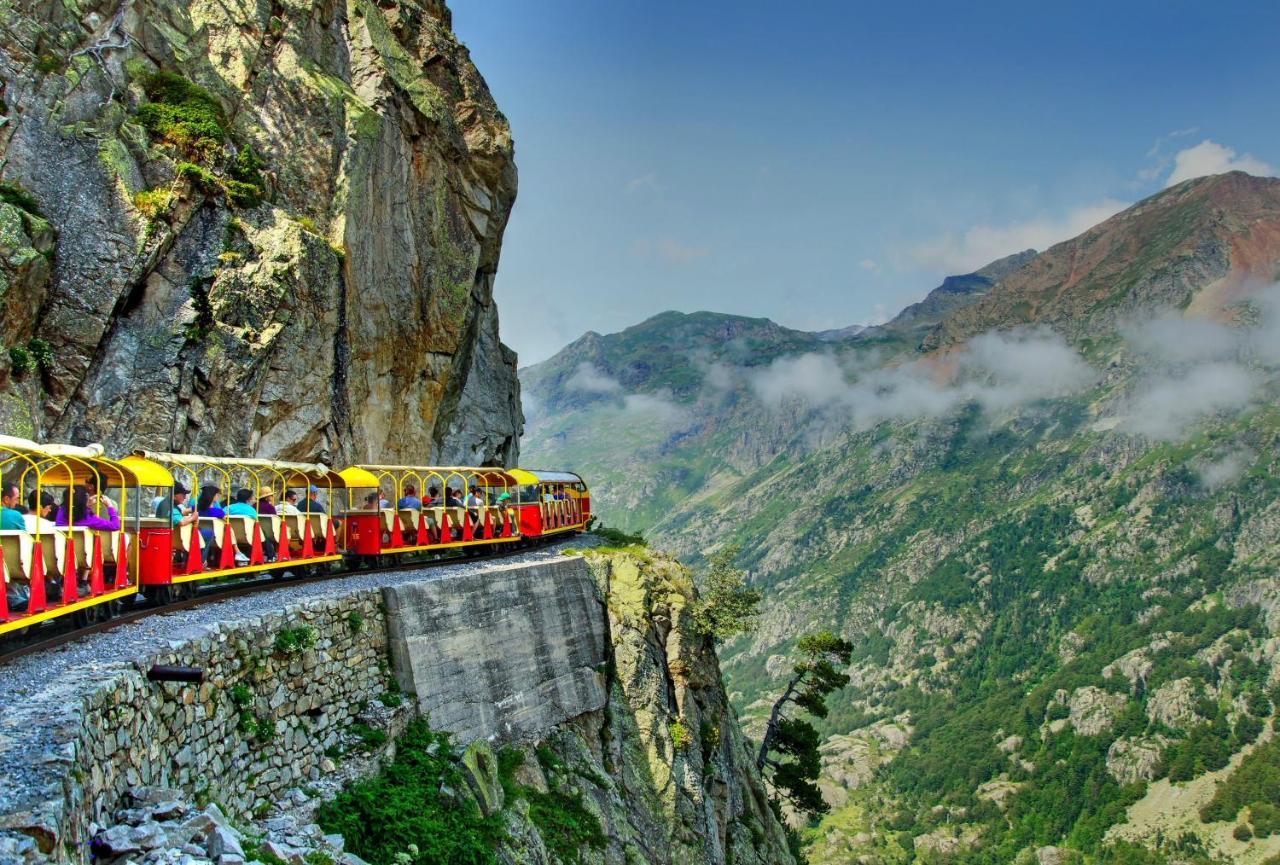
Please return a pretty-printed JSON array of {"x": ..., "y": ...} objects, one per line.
[{"x": 277, "y": 692}]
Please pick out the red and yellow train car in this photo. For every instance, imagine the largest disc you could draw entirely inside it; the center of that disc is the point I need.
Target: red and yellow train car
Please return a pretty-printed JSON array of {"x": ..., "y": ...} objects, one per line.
[
  {"x": 72, "y": 553},
  {"x": 97, "y": 531}
]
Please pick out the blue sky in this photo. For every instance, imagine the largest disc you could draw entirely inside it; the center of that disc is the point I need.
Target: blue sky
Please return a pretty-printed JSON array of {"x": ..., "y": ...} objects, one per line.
[{"x": 824, "y": 163}]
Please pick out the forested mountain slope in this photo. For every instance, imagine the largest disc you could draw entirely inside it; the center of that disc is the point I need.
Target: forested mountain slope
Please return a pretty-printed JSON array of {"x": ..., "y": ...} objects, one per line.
[{"x": 1048, "y": 523}]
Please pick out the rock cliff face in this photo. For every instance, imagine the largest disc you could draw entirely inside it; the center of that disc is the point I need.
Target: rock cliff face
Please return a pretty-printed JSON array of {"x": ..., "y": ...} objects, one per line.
[
  {"x": 266, "y": 228},
  {"x": 662, "y": 765}
]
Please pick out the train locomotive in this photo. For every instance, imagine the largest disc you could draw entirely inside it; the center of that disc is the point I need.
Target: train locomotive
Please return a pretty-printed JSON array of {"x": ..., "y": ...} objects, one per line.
[{"x": 99, "y": 530}]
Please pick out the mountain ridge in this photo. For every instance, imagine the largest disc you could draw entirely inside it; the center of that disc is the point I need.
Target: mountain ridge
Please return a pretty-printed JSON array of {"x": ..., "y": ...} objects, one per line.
[{"x": 1039, "y": 532}]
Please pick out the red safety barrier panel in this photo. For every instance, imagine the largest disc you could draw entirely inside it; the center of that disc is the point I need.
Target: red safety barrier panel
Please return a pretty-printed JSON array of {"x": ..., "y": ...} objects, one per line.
[
  {"x": 256, "y": 555},
  {"x": 70, "y": 593},
  {"x": 97, "y": 575},
  {"x": 122, "y": 564},
  {"x": 467, "y": 533},
  {"x": 446, "y": 530},
  {"x": 38, "y": 603},
  {"x": 397, "y": 536},
  {"x": 195, "y": 556},
  {"x": 331, "y": 542},
  {"x": 282, "y": 555},
  {"x": 308, "y": 551},
  {"x": 4, "y": 591},
  {"x": 227, "y": 555},
  {"x": 424, "y": 536}
]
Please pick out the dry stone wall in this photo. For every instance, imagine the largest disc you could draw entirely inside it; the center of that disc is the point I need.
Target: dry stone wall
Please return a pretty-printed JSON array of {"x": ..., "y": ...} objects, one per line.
[{"x": 278, "y": 691}]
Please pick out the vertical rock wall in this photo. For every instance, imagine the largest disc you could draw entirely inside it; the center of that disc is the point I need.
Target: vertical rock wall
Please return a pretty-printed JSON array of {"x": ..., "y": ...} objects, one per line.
[
  {"x": 508, "y": 653},
  {"x": 312, "y": 279}
]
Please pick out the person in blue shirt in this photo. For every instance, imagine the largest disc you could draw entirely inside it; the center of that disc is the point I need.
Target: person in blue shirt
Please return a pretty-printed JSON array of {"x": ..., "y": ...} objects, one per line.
[
  {"x": 210, "y": 505},
  {"x": 179, "y": 513},
  {"x": 10, "y": 516},
  {"x": 313, "y": 503},
  {"x": 410, "y": 501},
  {"x": 241, "y": 507}
]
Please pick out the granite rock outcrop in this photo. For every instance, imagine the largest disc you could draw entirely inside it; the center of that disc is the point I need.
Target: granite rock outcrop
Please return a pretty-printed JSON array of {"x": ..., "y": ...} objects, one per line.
[{"x": 259, "y": 228}]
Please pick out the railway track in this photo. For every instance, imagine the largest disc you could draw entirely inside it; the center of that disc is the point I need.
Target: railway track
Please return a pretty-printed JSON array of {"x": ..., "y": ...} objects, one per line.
[{"x": 18, "y": 647}]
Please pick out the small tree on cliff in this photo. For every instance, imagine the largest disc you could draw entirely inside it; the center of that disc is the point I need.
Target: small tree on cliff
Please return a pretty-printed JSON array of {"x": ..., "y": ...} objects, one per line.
[
  {"x": 726, "y": 605},
  {"x": 790, "y": 744}
]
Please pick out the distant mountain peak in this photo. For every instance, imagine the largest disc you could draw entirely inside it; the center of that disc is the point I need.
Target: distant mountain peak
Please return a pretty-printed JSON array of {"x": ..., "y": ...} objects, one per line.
[{"x": 1198, "y": 244}]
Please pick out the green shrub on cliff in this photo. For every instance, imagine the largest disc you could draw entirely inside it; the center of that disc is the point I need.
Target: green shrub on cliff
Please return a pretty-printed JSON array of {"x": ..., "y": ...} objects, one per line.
[
  {"x": 414, "y": 802},
  {"x": 183, "y": 114},
  {"x": 726, "y": 605}
]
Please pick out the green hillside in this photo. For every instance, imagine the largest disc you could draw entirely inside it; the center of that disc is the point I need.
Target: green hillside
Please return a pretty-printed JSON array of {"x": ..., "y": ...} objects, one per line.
[{"x": 1055, "y": 549}]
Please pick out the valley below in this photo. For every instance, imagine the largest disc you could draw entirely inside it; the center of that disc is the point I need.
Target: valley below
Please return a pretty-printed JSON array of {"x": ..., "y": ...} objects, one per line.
[{"x": 1041, "y": 504}]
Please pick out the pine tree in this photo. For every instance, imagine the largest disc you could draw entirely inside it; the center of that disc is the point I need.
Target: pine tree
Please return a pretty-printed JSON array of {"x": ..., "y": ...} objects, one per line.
[{"x": 790, "y": 744}]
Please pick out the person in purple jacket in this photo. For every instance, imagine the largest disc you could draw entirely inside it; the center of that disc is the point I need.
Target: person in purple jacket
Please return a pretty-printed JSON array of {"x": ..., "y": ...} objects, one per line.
[
  {"x": 210, "y": 505},
  {"x": 83, "y": 517}
]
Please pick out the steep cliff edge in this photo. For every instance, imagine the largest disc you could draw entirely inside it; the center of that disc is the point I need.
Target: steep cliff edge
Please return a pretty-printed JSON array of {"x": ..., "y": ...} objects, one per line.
[
  {"x": 266, "y": 228},
  {"x": 663, "y": 766}
]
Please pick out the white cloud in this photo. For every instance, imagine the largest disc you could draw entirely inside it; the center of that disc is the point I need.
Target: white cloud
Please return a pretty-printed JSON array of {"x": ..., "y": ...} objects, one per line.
[
  {"x": 868, "y": 264},
  {"x": 996, "y": 370},
  {"x": 656, "y": 408},
  {"x": 1226, "y": 469},
  {"x": 588, "y": 378},
  {"x": 1209, "y": 157},
  {"x": 1190, "y": 369},
  {"x": 983, "y": 244},
  {"x": 1170, "y": 404}
]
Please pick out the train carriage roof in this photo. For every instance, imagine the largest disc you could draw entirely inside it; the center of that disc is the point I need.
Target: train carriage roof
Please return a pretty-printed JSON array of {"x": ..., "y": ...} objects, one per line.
[
  {"x": 294, "y": 473},
  {"x": 61, "y": 464},
  {"x": 547, "y": 477},
  {"x": 369, "y": 474}
]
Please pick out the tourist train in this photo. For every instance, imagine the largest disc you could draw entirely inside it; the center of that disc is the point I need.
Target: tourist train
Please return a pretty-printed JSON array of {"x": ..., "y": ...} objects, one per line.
[{"x": 83, "y": 532}]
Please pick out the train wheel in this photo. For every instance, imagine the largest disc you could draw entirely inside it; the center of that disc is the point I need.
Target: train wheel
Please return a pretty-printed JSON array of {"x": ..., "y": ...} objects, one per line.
[{"x": 159, "y": 595}]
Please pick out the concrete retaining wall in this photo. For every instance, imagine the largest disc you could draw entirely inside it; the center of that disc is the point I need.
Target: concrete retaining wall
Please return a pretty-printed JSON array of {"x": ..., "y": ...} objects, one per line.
[{"x": 506, "y": 654}]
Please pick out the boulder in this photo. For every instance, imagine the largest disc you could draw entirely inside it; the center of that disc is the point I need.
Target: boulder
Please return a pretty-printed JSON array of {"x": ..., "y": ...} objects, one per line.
[{"x": 1093, "y": 710}]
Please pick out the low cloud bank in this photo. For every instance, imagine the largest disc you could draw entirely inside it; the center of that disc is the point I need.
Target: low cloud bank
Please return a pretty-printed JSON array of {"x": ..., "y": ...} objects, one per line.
[
  {"x": 998, "y": 371},
  {"x": 1191, "y": 369}
]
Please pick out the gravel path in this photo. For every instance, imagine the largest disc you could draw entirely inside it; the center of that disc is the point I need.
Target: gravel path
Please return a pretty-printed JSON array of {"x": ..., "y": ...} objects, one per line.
[{"x": 40, "y": 692}]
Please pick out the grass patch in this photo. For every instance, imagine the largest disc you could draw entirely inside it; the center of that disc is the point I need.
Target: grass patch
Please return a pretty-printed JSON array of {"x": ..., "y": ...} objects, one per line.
[
  {"x": 408, "y": 812},
  {"x": 183, "y": 114},
  {"x": 290, "y": 641}
]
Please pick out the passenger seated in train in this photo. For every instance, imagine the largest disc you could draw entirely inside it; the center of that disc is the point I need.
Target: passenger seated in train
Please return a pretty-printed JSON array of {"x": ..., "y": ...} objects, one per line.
[
  {"x": 314, "y": 504},
  {"x": 99, "y": 501},
  {"x": 84, "y": 517},
  {"x": 41, "y": 516},
  {"x": 474, "y": 503},
  {"x": 433, "y": 497},
  {"x": 179, "y": 513},
  {"x": 289, "y": 507},
  {"x": 10, "y": 516},
  {"x": 453, "y": 499},
  {"x": 410, "y": 501},
  {"x": 243, "y": 507},
  {"x": 210, "y": 505},
  {"x": 267, "y": 503},
  {"x": 371, "y": 502}
]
